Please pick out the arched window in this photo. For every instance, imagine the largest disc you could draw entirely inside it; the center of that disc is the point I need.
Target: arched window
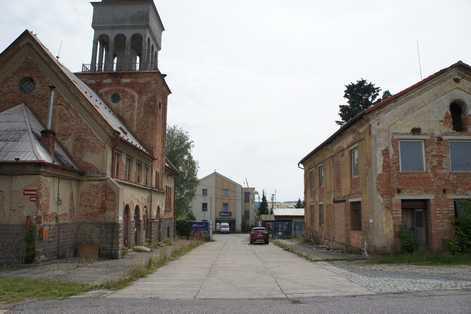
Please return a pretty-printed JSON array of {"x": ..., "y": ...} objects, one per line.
[{"x": 457, "y": 110}]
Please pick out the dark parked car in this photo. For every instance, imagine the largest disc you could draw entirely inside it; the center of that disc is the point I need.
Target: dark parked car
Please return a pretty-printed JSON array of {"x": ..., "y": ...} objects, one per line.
[{"x": 259, "y": 235}]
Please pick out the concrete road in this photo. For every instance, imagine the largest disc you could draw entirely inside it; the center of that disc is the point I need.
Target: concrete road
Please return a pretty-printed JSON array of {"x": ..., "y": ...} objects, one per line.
[
  {"x": 432, "y": 302},
  {"x": 230, "y": 268}
]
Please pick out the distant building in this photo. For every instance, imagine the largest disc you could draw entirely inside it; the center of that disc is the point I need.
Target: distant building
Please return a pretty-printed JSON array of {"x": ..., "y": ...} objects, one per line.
[
  {"x": 402, "y": 165},
  {"x": 288, "y": 222},
  {"x": 219, "y": 199}
]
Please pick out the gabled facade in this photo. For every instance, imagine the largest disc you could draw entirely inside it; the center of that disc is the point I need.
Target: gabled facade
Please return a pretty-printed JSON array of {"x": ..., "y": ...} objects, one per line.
[
  {"x": 82, "y": 156},
  {"x": 403, "y": 164},
  {"x": 219, "y": 199}
]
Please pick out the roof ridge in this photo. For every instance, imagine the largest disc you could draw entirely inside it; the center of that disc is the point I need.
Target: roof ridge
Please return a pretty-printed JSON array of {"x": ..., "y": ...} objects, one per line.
[
  {"x": 88, "y": 93},
  {"x": 383, "y": 103}
]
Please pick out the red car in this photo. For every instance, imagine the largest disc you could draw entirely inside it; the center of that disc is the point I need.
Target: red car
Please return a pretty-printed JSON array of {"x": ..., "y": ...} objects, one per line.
[{"x": 259, "y": 234}]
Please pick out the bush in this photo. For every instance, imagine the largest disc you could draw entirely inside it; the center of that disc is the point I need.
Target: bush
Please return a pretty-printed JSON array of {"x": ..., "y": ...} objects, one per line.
[
  {"x": 408, "y": 241},
  {"x": 184, "y": 223},
  {"x": 462, "y": 241}
]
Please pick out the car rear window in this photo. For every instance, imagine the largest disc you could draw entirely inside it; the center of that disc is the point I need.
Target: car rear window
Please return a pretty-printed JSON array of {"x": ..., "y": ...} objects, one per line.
[{"x": 258, "y": 229}]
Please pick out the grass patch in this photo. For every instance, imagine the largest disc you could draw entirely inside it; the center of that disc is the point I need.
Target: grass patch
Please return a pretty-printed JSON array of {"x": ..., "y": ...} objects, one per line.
[
  {"x": 18, "y": 289},
  {"x": 13, "y": 290},
  {"x": 423, "y": 259},
  {"x": 153, "y": 264}
]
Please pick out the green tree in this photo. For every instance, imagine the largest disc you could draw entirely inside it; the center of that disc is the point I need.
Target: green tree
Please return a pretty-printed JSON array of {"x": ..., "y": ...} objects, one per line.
[
  {"x": 179, "y": 151},
  {"x": 263, "y": 209},
  {"x": 360, "y": 96},
  {"x": 299, "y": 204}
]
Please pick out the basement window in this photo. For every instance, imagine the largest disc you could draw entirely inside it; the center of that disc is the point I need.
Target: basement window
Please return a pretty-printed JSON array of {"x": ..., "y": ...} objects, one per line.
[
  {"x": 457, "y": 111},
  {"x": 460, "y": 155},
  {"x": 412, "y": 156},
  {"x": 355, "y": 216}
]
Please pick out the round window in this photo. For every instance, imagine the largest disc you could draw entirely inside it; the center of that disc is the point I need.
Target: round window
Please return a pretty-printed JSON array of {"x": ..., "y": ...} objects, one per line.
[
  {"x": 27, "y": 85},
  {"x": 115, "y": 98}
]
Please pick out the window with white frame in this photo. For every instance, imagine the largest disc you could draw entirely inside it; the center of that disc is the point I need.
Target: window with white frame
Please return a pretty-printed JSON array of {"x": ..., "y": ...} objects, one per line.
[
  {"x": 412, "y": 156},
  {"x": 355, "y": 162},
  {"x": 321, "y": 175},
  {"x": 460, "y": 156}
]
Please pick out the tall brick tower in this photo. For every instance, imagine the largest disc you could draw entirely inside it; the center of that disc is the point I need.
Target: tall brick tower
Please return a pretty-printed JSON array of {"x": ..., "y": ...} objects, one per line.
[{"x": 124, "y": 71}]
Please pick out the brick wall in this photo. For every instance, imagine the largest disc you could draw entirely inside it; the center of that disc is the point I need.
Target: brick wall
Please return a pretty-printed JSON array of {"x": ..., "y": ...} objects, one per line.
[{"x": 12, "y": 244}]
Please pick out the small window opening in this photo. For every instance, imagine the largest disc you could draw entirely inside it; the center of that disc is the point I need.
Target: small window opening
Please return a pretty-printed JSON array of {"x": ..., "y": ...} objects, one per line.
[{"x": 457, "y": 111}]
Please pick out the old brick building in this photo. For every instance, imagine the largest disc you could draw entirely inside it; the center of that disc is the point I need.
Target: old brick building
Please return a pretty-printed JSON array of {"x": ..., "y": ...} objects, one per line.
[
  {"x": 82, "y": 156},
  {"x": 404, "y": 163}
]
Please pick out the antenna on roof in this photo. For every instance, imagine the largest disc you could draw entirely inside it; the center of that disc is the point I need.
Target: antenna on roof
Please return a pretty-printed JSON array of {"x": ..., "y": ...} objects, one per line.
[
  {"x": 59, "y": 50},
  {"x": 419, "y": 60}
]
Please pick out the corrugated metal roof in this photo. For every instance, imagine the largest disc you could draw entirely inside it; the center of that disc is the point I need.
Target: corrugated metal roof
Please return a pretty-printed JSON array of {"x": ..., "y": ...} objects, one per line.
[
  {"x": 96, "y": 102},
  {"x": 288, "y": 212},
  {"x": 20, "y": 133}
]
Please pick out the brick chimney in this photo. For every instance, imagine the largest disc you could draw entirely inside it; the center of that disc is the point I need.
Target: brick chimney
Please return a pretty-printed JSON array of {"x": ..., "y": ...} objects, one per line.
[{"x": 48, "y": 136}]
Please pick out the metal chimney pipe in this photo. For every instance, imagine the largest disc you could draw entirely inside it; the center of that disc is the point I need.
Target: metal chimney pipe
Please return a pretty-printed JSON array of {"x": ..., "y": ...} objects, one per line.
[{"x": 51, "y": 107}]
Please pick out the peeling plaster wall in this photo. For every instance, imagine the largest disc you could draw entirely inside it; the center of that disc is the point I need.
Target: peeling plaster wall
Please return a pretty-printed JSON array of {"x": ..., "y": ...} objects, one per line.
[
  {"x": 74, "y": 131},
  {"x": 338, "y": 190},
  {"x": 427, "y": 109}
]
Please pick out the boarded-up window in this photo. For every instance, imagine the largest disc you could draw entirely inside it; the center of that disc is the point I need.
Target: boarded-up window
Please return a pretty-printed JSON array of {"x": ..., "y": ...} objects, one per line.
[
  {"x": 128, "y": 169},
  {"x": 321, "y": 214},
  {"x": 311, "y": 180},
  {"x": 139, "y": 172},
  {"x": 355, "y": 162},
  {"x": 412, "y": 156},
  {"x": 460, "y": 156},
  {"x": 116, "y": 164},
  {"x": 168, "y": 198},
  {"x": 311, "y": 215},
  {"x": 355, "y": 215},
  {"x": 462, "y": 208},
  {"x": 146, "y": 175}
]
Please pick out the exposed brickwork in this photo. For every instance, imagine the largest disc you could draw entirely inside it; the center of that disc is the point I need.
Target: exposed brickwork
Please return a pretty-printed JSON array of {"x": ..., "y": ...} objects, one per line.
[
  {"x": 71, "y": 131},
  {"x": 425, "y": 116},
  {"x": 12, "y": 244}
]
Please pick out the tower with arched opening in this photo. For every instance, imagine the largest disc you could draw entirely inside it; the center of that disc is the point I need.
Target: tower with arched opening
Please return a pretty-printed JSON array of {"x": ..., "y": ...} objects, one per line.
[{"x": 127, "y": 36}]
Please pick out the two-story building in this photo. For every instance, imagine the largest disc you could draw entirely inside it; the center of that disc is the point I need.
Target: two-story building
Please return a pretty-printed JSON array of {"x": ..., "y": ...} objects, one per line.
[
  {"x": 403, "y": 163},
  {"x": 82, "y": 156}
]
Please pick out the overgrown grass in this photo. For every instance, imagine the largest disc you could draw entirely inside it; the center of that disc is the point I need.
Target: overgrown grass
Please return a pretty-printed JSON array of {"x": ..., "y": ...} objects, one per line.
[
  {"x": 423, "y": 259},
  {"x": 18, "y": 289}
]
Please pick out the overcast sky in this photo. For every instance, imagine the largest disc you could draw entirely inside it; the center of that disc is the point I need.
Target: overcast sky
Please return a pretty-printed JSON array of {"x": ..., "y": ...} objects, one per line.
[{"x": 257, "y": 83}]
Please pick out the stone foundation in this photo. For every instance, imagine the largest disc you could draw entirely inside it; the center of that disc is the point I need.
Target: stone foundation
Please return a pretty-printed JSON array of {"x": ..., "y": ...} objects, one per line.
[
  {"x": 12, "y": 244},
  {"x": 63, "y": 241}
]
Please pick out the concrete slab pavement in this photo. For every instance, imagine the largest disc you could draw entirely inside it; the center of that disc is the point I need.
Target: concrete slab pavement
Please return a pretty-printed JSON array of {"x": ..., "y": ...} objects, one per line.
[{"x": 230, "y": 268}]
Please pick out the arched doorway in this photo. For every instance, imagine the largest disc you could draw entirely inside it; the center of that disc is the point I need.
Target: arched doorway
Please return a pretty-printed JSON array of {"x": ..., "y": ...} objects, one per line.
[
  {"x": 126, "y": 225},
  {"x": 138, "y": 226}
]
